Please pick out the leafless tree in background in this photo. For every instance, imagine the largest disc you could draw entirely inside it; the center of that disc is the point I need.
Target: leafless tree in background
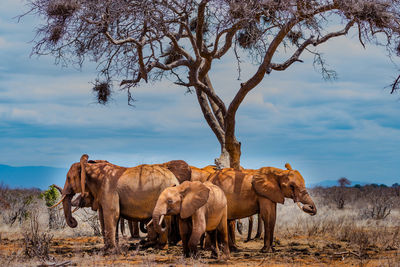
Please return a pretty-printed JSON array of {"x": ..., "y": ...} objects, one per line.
[
  {"x": 145, "y": 40},
  {"x": 344, "y": 181}
]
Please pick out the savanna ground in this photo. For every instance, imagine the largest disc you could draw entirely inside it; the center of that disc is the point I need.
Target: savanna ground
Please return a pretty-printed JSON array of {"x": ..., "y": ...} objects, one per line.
[{"x": 353, "y": 226}]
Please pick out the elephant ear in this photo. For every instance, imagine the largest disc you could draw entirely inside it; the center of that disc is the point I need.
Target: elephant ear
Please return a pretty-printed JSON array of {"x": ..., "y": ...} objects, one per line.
[
  {"x": 288, "y": 167},
  {"x": 195, "y": 195},
  {"x": 266, "y": 184},
  {"x": 83, "y": 161}
]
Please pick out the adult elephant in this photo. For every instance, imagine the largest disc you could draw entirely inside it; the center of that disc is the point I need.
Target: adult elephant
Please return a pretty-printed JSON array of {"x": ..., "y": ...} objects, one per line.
[
  {"x": 201, "y": 174},
  {"x": 130, "y": 193},
  {"x": 257, "y": 191}
]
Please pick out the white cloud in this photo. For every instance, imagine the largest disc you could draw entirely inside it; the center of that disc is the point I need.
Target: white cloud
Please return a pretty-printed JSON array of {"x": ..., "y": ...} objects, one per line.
[{"x": 3, "y": 43}]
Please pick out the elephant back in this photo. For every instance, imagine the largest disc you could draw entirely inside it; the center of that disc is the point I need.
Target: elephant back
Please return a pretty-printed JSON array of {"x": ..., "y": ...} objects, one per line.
[
  {"x": 148, "y": 177},
  {"x": 180, "y": 169}
]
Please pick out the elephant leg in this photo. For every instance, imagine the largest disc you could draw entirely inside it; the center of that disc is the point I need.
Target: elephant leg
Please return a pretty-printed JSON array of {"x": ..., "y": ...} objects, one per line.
[
  {"x": 232, "y": 238},
  {"x": 207, "y": 242},
  {"x": 122, "y": 226},
  {"x": 134, "y": 229},
  {"x": 111, "y": 217},
  {"x": 174, "y": 236},
  {"x": 249, "y": 232},
  {"x": 101, "y": 219},
  {"x": 198, "y": 229},
  {"x": 259, "y": 227},
  {"x": 202, "y": 239},
  {"x": 116, "y": 231},
  {"x": 185, "y": 231},
  {"x": 212, "y": 236},
  {"x": 223, "y": 235},
  {"x": 268, "y": 214}
]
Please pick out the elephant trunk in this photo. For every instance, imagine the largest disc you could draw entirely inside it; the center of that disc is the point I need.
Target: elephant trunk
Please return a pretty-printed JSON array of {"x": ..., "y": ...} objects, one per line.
[
  {"x": 308, "y": 204},
  {"x": 67, "y": 211},
  {"x": 158, "y": 214}
]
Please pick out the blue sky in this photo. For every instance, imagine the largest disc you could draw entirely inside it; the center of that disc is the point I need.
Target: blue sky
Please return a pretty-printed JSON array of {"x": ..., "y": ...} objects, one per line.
[{"x": 349, "y": 127}]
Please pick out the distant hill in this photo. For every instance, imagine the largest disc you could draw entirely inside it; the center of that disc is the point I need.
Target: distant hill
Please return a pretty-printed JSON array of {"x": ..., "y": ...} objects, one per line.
[
  {"x": 329, "y": 183},
  {"x": 32, "y": 176}
]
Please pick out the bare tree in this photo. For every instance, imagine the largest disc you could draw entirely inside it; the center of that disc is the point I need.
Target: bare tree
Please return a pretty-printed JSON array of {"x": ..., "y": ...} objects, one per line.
[
  {"x": 143, "y": 40},
  {"x": 344, "y": 181}
]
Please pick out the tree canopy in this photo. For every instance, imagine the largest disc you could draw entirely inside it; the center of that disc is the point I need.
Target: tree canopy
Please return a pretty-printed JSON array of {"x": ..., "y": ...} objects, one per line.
[{"x": 135, "y": 41}]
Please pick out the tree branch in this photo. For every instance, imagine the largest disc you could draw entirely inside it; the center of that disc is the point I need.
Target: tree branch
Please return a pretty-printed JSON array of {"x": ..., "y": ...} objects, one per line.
[
  {"x": 246, "y": 87},
  {"x": 309, "y": 41},
  {"x": 200, "y": 23},
  {"x": 334, "y": 34},
  {"x": 229, "y": 34},
  {"x": 395, "y": 85},
  {"x": 178, "y": 48},
  {"x": 205, "y": 108},
  {"x": 216, "y": 110},
  {"x": 121, "y": 41}
]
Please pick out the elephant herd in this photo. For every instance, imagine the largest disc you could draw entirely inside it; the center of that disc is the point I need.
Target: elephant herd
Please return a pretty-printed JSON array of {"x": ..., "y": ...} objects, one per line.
[{"x": 181, "y": 202}]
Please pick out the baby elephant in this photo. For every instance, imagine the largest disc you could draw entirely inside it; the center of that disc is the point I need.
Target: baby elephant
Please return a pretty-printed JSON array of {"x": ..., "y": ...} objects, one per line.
[{"x": 202, "y": 208}]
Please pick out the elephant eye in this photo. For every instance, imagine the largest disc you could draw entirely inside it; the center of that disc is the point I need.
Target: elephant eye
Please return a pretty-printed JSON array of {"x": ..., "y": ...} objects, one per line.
[{"x": 292, "y": 187}]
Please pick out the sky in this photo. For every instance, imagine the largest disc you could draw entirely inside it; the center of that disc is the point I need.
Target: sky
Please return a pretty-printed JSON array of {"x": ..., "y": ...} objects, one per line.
[{"x": 349, "y": 127}]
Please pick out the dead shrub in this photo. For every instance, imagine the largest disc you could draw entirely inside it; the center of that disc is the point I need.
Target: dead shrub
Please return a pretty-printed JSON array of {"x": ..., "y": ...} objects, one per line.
[
  {"x": 20, "y": 201},
  {"x": 36, "y": 242},
  {"x": 362, "y": 239},
  {"x": 92, "y": 219},
  {"x": 380, "y": 201}
]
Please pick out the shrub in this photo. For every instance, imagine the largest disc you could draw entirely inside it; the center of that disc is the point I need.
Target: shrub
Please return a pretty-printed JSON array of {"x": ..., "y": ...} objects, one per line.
[
  {"x": 380, "y": 201},
  {"x": 36, "y": 242},
  {"x": 56, "y": 219},
  {"x": 92, "y": 219}
]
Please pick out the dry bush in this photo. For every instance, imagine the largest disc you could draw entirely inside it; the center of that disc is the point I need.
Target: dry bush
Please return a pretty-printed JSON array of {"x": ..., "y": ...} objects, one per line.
[
  {"x": 92, "y": 219},
  {"x": 20, "y": 201},
  {"x": 56, "y": 219},
  {"x": 380, "y": 202},
  {"x": 36, "y": 241}
]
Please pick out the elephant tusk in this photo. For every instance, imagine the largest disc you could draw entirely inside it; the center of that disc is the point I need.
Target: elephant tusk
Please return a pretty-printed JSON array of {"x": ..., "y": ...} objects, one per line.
[
  {"x": 76, "y": 208},
  {"x": 161, "y": 219},
  {"x": 298, "y": 205},
  {"x": 57, "y": 187},
  {"x": 149, "y": 223},
  {"x": 58, "y": 203}
]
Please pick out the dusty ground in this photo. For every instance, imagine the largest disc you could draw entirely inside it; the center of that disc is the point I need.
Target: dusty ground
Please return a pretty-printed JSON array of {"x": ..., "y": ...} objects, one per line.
[{"x": 299, "y": 251}]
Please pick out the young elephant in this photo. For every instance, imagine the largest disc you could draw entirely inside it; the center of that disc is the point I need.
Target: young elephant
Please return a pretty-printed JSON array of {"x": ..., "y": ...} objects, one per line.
[{"x": 202, "y": 208}]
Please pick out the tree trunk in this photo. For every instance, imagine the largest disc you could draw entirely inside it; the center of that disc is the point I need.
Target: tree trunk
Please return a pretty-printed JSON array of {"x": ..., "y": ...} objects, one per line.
[
  {"x": 230, "y": 156},
  {"x": 223, "y": 160},
  {"x": 234, "y": 149}
]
